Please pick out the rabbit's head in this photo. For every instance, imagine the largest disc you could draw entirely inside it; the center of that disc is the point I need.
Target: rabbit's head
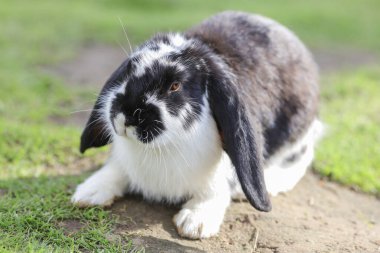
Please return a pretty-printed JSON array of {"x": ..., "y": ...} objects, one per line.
[{"x": 157, "y": 94}]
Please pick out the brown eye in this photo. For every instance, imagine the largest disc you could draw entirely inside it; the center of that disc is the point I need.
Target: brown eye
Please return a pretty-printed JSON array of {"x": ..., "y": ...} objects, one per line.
[{"x": 175, "y": 86}]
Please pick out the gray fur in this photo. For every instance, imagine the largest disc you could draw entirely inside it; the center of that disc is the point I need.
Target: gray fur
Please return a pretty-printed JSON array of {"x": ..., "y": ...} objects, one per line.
[{"x": 274, "y": 72}]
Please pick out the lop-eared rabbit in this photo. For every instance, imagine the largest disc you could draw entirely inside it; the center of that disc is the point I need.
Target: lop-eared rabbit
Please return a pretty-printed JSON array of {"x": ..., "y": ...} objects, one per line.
[{"x": 226, "y": 109}]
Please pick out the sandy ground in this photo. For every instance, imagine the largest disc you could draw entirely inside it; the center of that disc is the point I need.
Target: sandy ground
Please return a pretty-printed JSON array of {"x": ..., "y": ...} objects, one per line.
[{"x": 317, "y": 216}]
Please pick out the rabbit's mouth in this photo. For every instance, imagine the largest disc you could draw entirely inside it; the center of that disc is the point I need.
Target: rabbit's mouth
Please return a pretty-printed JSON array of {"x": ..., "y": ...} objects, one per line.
[
  {"x": 145, "y": 130},
  {"x": 147, "y": 135}
]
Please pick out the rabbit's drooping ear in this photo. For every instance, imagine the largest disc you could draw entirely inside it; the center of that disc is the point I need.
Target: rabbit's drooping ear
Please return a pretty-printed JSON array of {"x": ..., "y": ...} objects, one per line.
[
  {"x": 94, "y": 133},
  {"x": 240, "y": 140}
]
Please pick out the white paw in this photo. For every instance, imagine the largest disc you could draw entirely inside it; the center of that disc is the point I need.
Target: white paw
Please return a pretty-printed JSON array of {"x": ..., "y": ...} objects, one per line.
[
  {"x": 197, "y": 224},
  {"x": 92, "y": 193}
]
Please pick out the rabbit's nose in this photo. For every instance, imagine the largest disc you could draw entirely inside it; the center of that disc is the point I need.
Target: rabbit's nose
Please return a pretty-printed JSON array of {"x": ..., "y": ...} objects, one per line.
[{"x": 129, "y": 121}]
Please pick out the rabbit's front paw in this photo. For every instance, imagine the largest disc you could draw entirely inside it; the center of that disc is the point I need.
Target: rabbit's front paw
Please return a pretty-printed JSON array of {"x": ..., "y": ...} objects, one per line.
[
  {"x": 197, "y": 224},
  {"x": 98, "y": 190}
]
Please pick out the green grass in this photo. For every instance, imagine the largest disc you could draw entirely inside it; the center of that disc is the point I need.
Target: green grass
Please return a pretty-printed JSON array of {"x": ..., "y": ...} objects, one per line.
[
  {"x": 32, "y": 212},
  {"x": 350, "y": 151},
  {"x": 34, "y": 34}
]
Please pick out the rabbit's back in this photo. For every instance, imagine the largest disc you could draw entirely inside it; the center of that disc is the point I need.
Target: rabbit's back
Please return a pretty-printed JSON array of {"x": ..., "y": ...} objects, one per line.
[{"x": 275, "y": 74}]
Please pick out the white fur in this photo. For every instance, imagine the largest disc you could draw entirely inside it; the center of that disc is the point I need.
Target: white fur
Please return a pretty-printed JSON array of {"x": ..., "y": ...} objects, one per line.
[
  {"x": 148, "y": 56},
  {"x": 202, "y": 215},
  {"x": 281, "y": 176},
  {"x": 119, "y": 121},
  {"x": 102, "y": 187},
  {"x": 122, "y": 87}
]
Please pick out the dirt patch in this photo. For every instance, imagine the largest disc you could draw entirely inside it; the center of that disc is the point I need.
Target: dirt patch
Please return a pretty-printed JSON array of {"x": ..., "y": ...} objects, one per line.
[
  {"x": 76, "y": 166},
  {"x": 77, "y": 119},
  {"x": 330, "y": 61},
  {"x": 317, "y": 216},
  {"x": 3, "y": 192},
  {"x": 91, "y": 68},
  {"x": 70, "y": 227}
]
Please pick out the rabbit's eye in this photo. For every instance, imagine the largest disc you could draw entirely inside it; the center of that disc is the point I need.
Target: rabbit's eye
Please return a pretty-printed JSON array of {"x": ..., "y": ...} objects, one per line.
[{"x": 175, "y": 86}]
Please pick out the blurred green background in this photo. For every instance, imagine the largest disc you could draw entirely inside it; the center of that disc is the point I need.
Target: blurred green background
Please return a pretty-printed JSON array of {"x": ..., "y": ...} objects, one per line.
[{"x": 39, "y": 142}]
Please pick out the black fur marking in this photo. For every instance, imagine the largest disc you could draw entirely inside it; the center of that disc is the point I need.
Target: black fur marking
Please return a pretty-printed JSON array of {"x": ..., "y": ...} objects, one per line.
[
  {"x": 294, "y": 157},
  {"x": 130, "y": 67},
  {"x": 163, "y": 38},
  {"x": 194, "y": 86},
  {"x": 152, "y": 125},
  {"x": 240, "y": 144},
  {"x": 95, "y": 133},
  {"x": 145, "y": 117},
  {"x": 279, "y": 133},
  {"x": 239, "y": 138}
]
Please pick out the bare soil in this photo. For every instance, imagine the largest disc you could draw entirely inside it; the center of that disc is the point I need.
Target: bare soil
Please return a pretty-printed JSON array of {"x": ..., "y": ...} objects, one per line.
[
  {"x": 317, "y": 216},
  {"x": 3, "y": 192},
  {"x": 70, "y": 226}
]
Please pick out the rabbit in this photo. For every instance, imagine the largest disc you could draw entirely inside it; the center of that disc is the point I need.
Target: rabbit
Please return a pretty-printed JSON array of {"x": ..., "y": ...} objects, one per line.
[{"x": 227, "y": 109}]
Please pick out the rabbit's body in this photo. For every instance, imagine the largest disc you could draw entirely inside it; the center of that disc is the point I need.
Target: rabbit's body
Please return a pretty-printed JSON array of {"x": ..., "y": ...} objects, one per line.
[
  {"x": 241, "y": 103},
  {"x": 273, "y": 69}
]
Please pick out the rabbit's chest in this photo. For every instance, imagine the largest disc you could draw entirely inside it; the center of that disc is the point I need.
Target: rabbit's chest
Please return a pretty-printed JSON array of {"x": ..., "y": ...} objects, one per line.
[
  {"x": 175, "y": 170},
  {"x": 173, "y": 174}
]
